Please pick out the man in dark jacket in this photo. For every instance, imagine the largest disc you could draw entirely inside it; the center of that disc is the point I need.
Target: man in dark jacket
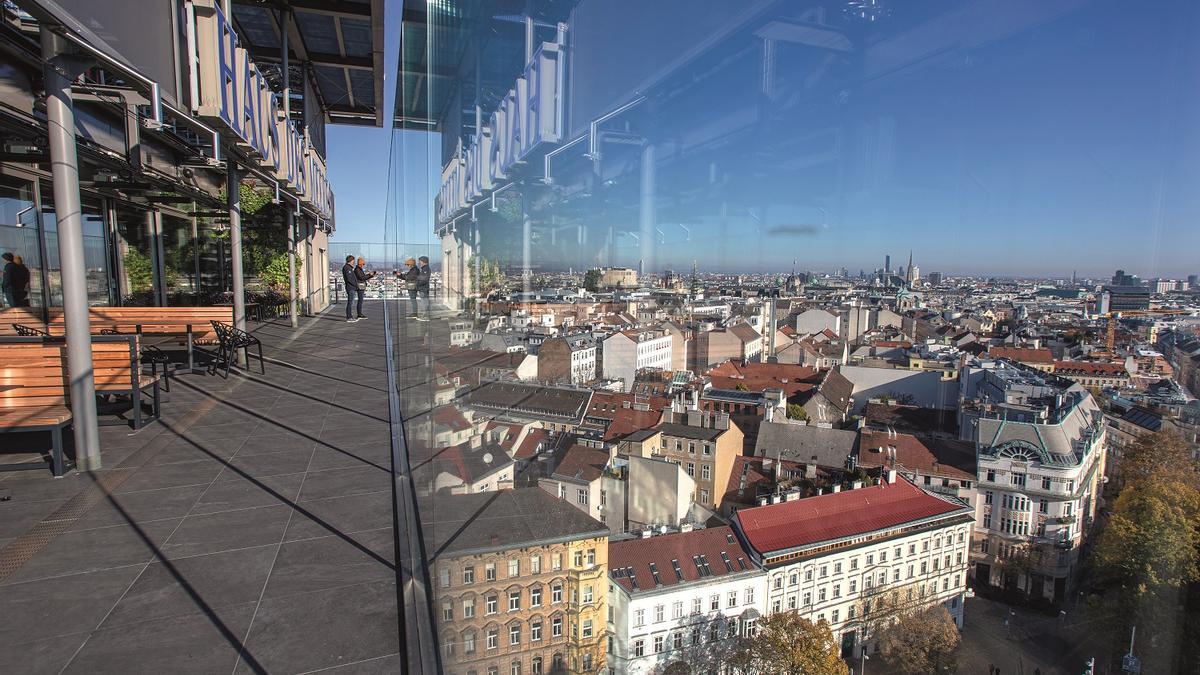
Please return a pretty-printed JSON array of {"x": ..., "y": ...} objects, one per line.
[
  {"x": 423, "y": 275},
  {"x": 362, "y": 276},
  {"x": 352, "y": 288},
  {"x": 9, "y": 266}
]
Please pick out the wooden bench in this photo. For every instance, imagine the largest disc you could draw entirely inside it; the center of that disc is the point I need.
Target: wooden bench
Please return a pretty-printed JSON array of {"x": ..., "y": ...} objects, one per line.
[
  {"x": 182, "y": 325},
  {"x": 35, "y": 391},
  {"x": 28, "y": 316}
]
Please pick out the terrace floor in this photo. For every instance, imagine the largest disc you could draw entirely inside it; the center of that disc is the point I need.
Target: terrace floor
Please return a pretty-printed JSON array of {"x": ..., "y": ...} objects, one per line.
[{"x": 250, "y": 530}]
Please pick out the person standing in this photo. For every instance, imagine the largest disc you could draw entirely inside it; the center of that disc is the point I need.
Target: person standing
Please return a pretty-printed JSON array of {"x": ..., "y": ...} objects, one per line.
[
  {"x": 9, "y": 266},
  {"x": 352, "y": 289},
  {"x": 411, "y": 276},
  {"x": 362, "y": 276},
  {"x": 423, "y": 276},
  {"x": 19, "y": 278}
]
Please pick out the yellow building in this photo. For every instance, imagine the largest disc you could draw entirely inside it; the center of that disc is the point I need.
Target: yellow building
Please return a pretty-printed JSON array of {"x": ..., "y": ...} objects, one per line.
[{"x": 519, "y": 581}]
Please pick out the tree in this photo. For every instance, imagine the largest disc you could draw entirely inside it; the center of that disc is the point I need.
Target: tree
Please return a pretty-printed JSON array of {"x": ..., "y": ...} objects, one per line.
[
  {"x": 591, "y": 280},
  {"x": 795, "y": 411},
  {"x": 922, "y": 641},
  {"x": 1146, "y": 556},
  {"x": 785, "y": 642}
]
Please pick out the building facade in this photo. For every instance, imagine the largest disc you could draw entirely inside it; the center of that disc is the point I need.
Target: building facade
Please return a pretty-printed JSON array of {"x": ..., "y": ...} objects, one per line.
[{"x": 625, "y": 353}]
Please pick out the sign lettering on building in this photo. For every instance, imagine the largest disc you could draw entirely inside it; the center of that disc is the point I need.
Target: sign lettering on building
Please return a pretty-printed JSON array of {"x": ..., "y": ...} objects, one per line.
[
  {"x": 235, "y": 96},
  {"x": 528, "y": 116}
]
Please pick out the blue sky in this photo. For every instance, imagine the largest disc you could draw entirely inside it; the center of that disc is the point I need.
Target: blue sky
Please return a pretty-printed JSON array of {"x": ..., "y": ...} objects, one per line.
[{"x": 1071, "y": 145}]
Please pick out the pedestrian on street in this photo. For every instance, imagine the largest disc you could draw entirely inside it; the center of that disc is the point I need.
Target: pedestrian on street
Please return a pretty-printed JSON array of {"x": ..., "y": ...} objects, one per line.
[
  {"x": 352, "y": 289},
  {"x": 362, "y": 276}
]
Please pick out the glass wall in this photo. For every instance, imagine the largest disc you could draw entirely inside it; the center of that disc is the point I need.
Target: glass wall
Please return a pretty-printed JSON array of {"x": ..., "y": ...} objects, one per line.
[
  {"x": 790, "y": 197},
  {"x": 135, "y": 252},
  {"x": 19, "y": 232},
  {"x": 214, "y": 269},
  {"x": 180, "y": 260},
  {"x": 95, "y": 250}
]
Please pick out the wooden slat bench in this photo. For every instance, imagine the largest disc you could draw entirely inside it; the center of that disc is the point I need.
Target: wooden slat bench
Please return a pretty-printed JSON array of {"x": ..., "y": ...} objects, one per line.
[
  {"x": 35, "y": 392},
  {"x": 180, "y": 325}
]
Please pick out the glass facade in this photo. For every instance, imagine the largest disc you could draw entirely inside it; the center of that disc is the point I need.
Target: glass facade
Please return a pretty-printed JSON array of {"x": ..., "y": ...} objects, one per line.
[{"x": 677, "y": 193}]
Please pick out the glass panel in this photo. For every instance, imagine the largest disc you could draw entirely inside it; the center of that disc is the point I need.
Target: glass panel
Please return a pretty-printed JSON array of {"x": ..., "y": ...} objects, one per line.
[
  {"x": 95, "y": 252},
  {"x": 136, "y": 254},
  {"x": 179, "y": 261},
  {"x": 19, "y": 236},
  {"x": 214, "y": 262}
]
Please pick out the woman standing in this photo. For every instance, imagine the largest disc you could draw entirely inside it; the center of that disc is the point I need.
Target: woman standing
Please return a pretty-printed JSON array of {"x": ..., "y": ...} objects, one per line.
[{"x": 362, "y": 275}]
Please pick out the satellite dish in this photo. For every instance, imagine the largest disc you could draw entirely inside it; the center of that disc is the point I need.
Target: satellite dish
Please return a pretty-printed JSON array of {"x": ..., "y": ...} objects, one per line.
[{"x": 487, "y": 458}]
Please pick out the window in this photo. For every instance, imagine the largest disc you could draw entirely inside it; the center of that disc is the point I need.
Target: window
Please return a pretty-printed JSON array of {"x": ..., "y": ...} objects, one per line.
[
  {"x": 837, "y": 567},
  {"x": 677, "y": 640},
  {"x": 853, "y": 564},
  {"x": 691, "y": 468},
  {"x": 514, "y": 600},
  {"x": 556, "y": 627},
  {"x": 775, "y": 607},
  {"x": 489, "y": 572},
  {"x": 469, "y": 642},
  {"x": 658, "y": 644},
  {"x": 469, "y": 575},
  {"x": 535, "y": 564},
  {"x": 1018, "y": 479},
  {"x": 896, "y": 553},
  {"x": 991, "y": 476},
  {"x": 924, "y": 567},
  {"x": 556, "y": 562},
  {"x": 535, "y": 596},
  {"x": 535, "y": 631},
  {"x": 492, "y": 604},
  {"x": 924, "y": 546},
  {"x": 749, "y": 595},
  {"x": 587, "y": 628},
  {"x": 556, "y": 594},
  {"x": 514, "y": 634},
  {"x": 850, "y": 613},
  {"x": 447, "y": 611},
  {"x": 821, "y": 594},
  {"x": 777, "y": 582},
  {"x": 808, "y": 574},
  {"x": 578, "y": 558},
  {"x": 870, "y": 560},
  {"x": 853, "y": 586},
  {"x": 837, "y": 590},
  {"x": 697, "y": 605},
  {"x": 731, "y": 599},
  {"x": 708, "y": 449},
  {"x": 639, "y": 618},
  {"x": 704, "y": 496},
  {"x": 468, "y": 608},
  {"x": 639, "y": 648},
  {"x": 791, "y": 602},
  {"x": 825, "y": 569},
  {"x": 515, "y": 668},
  {"x": 714, "y": 602},
  {"x": 658, "y": 613},
  {"x": 677, "y": 610},
  {"x": 912, "y": 549},
  {"x": 882, "y": 558},
  {"x": 714, "y": 631},
  {"x": 535, "y": 666},
  {"x": 1045, "y": 483},
  {"x": 493, "y": 638},
  {"x": 835, "y": 616},
  {"x": 514, "y": 568},
  {"x": 706, "y": 472},
  {"x": 910, "y": 571},
  {"x": 444, "y": 577},
  {"x": 591, "y": 557},
  {"x": 583, "y": 496}
]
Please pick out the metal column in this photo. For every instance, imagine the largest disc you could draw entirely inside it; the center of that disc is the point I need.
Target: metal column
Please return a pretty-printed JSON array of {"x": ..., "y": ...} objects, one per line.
[
  {"x": 290, "y": 218},
  {"x": 64, "y": 163},
  {"x": 234, "y": 201},
  {"x": 526, "y": 241}
]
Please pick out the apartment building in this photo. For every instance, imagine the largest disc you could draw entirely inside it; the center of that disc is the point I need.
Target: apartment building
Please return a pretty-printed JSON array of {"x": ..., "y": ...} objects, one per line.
[
  {"x": 627, "y": 352},
  {"x": 1093, "y": 374},
  {"x": 682, "y": 597},
  {"x": 509, "y": 598},
  {"x": 567, "y": 359},
  {"x": 1041, "y": 458},
  {"x": 856, "y": 558},
  {"x": 705, "y": 444}
]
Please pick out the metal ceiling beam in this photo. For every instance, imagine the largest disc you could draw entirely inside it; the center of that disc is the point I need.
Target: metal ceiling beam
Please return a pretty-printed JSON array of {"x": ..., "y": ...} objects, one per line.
[{"x": 271, "y": 54}]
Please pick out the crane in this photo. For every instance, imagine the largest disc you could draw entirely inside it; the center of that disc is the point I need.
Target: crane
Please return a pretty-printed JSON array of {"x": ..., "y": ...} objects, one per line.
[{"x": 1110, "y": 336}]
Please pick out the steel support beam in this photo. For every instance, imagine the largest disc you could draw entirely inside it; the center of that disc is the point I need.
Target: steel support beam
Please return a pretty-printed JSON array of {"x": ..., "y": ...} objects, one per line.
[{"x": 64, "y": 166}]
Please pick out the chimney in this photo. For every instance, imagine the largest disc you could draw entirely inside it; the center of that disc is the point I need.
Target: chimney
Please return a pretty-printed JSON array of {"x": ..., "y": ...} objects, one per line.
[
  {"x": 646, "y": 534},
  {"x": 685, "y": 527},
  {"x": 792, "y": 496},
  {"x": 810, "y": 470},
  {"x": 891, "y": 476},
  {"x": 775, "y": 499},
  {"x": 836, "y": 489},
  {"x": 762, "y": 501},
  {"x": 856, "y": 485}
]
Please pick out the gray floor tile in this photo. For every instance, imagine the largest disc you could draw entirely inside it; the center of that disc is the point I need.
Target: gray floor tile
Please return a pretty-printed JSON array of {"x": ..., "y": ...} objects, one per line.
[
  {"x": 94, "y": 550},
  {"x": 382, "y": 665},
  {"x": 356, "y": 513},
  {"x": 46, "y": 656},
  {"x": 265, "y": 465},
  {"x": 16, "y": 517},
  {"x": 138, "y": 507},
  {"x": 172, "y": 475},
  {"x": 225, "y": 531},
  {"x": 329, "y": 562},
  {"x": 277, "y": 441},
  {"x": 69, "y": 605},
  {"x": 197, "y": 584},
  {"x": 342, "y": 457},
  {"x": 195, "y": 643},
  {"x": 344, "y": 482},
  {"x": 297, "y": 633},
  {"x": 243, "y": 493}
]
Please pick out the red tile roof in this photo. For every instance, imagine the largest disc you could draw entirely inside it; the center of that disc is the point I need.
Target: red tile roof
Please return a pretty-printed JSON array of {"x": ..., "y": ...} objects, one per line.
[
  {"x": 947, "y": 459},
  {"x": 629, "y": 560},
  {"x": 1022, "y": 354},
  {"x": 582, "y": 463},
  {"x": 803, "y": 522},
  {"x": 529, "y": 445},
  {"x": 451, "y": 417},
  {"x": 1090, "y": 369}
]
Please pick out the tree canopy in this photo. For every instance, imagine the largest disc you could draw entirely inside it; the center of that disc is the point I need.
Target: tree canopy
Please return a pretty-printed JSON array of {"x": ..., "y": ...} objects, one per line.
[
  {"x": 785, "y": 642},
  {"x": 922, "y": 641}
]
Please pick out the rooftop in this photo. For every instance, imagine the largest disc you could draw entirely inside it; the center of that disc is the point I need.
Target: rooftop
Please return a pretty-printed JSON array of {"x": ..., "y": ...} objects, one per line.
[
  {"x": 805, "y": 443},
  {"x": 815, "y": 520},
  {"x": 497, "y": 521},
  {"x": 673, "y": 559}
]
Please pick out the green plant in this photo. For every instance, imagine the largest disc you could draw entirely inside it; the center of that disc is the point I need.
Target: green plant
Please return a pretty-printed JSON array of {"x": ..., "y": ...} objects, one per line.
[
  {"x": 275, "y": 272},
  {"x": 138, "y": 271},
  {"x": 795, "y": 411}
]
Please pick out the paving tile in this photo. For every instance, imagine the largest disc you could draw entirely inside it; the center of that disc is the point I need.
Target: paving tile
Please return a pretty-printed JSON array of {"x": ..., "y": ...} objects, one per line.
[
  {"x": 351, "y": 514},
  {"x": 196, "y": 584},
  {"x": 338, "y": 456},
  {"x": 333, "y": 561},
  {"x": 69, "y": 605},
  {"x": 382, "y": 665},
  {"x": 16, "y": 517},
  {"x": 96, "y": 549},
  {"x": 335, "y": 430},
  {"x": 233, "y": 430},
  {"x": 187, "y": 449},
  {"x": 245, "y": 493},
  {"x": 309, "y": 631},
  {"x": 46, "y": 656},
  {"x": 343, "y": 482},
  {"x": 278, "y": 440},
  {"x": 199, "y": 534},
  {"x": 140, "y": 507},
  {"x": 199, "y": 472},
  {"x": 265, "y": 465},
  {"x": 194, "y": 643},
  {"x": 35, "y": 486}
]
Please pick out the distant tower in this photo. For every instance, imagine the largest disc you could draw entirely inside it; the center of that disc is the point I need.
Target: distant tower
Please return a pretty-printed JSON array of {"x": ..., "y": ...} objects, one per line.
[
  {"x": 641, "y": 268},
  {"x": 695, "y": 279},
  {"x": 887, "y": 264}
]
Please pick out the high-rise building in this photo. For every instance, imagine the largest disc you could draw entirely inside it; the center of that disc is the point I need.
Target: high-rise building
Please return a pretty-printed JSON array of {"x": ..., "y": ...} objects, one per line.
[
  {"x": 887, "y": 264},
  {"x": 1193, "y": 280},
  {"x": 934, "y": 278}
]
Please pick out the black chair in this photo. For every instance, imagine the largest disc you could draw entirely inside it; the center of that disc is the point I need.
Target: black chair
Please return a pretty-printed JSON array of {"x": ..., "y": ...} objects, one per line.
[
  {"x": 29, "y": 331},
  {"x": 152, "y": 355},
  {"x": 230, "y": 340}
]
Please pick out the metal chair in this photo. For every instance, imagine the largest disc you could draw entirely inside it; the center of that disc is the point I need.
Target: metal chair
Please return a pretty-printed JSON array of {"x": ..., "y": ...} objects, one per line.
[
  {"x": 29, "y": 331},
  {"x": 230, "y": 340}
]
